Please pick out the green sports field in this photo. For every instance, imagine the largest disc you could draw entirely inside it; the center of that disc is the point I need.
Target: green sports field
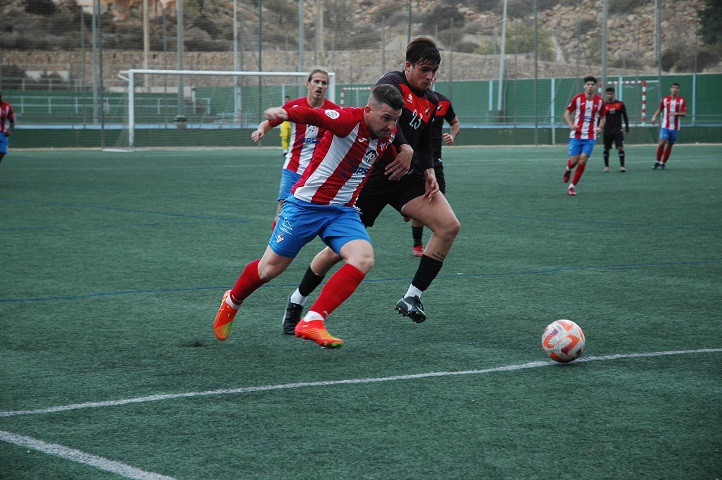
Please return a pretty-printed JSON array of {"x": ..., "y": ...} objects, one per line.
[{"x": 112, "y": 266}]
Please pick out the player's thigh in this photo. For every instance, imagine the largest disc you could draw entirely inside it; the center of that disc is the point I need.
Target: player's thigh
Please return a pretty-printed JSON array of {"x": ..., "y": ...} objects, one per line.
[
  {"x": 673, "y": 137},
  {"x": 3, "y": 144},
  {"x": 618, "y": 140},
  {"x": 608, "y": 139},
  {"x": 435, "y": 213},
  {"x": 288, "y": 180},
  {"x": 343, "y": 228},
  {"x": 296, "y": 227},
  {"x": 575, "y": 147},
  {"x": 587, "y": 149}
]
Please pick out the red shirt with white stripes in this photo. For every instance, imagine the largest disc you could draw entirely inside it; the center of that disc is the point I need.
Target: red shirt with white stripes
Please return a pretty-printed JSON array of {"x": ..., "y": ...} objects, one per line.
[
  {"x": 304, "y": 138},
  {"x": 6, "y": 114},
  {"x": 668, "y": 105},
  {"x": 343, "y": 159},
  {"x": 586, "y": 116}
]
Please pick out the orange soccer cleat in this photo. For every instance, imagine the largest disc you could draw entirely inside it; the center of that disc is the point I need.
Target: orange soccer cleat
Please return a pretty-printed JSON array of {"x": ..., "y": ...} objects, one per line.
[
  {"x": 316, "y": 330},
  {"x": 224, "y": 318},
  {"x": 418, "y": 250}
]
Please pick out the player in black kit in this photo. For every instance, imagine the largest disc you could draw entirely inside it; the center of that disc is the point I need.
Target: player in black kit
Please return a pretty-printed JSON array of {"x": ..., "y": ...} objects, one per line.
[
  {"x": 415, "y": 196},
  {"x": 614, "y": 110}
]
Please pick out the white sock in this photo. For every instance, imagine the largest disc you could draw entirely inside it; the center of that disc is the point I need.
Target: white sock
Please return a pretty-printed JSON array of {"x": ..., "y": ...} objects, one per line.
[
  {"x": 413, "y": 292},
  {"x": 572, "y": 186},
  {"x": 232, "y": 305},
  {"x": 297, "y": 298},
  {"x": 311, "y": 316}
]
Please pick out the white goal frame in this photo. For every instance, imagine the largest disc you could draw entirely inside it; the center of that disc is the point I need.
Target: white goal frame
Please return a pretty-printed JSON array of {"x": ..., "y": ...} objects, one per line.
[{"x": 130, "y": 78}]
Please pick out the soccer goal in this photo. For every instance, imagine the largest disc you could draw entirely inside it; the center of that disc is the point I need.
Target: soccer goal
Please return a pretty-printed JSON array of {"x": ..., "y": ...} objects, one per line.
[{"x": 202, "y": 108}]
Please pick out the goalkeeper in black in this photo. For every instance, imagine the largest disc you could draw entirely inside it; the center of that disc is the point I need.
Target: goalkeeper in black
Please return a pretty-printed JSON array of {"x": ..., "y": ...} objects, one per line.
[{"x": 615, "y": 111}]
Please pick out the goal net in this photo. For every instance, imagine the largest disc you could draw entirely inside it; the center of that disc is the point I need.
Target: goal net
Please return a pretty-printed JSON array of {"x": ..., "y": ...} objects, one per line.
[{"x": 202, "y": 108}]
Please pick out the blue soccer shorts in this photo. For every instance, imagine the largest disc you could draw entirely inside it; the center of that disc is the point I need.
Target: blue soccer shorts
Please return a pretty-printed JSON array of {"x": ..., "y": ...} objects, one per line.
[
  {"x": 300, "y": 222},
  {"x": 578, "y": 146},
  {"x": 3, "y": 143},
  {"x": 288, "y": 180},
  {"x": 669, "y": 135}
]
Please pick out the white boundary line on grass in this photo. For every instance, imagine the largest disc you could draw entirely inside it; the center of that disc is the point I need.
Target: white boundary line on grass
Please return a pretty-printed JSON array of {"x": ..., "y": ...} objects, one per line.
[
  {"x": 74, "y": 455},
  {"x": 287, "y": 386},
  {"x": 136, "y": 473}
]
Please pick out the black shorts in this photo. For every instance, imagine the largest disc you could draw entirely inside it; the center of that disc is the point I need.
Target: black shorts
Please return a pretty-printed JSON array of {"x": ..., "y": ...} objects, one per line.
[
  {"x": 617, "y": 138},
  {"x": 379, "y": 191}
]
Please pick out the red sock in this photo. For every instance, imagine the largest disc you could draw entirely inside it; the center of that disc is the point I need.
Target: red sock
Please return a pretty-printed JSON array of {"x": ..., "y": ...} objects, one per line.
[
  {"x": 569, "y": 164},
  {"x": 660, "y": 151},
  {"x": 338, "y": 288},
  {"x": 666, "y": 154},
  {"x": 578, "y": 173},
  {"x": 247, "y": 283}
]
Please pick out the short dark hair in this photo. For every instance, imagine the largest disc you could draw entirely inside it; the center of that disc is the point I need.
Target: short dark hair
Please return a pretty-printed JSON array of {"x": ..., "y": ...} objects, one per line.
[
  {"x": 314, "y": 71},
  {"x": 675, "y": 83},
  {"x": 387, "y": 94},
  {"x": 589, "y": 78},
  {"x": 423, "y": 49},
  {"x": 609, "y": 89}
]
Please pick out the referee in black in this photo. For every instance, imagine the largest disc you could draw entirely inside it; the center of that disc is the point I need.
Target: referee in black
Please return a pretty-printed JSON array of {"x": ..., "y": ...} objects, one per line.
[{"x": 614, "y": 110}]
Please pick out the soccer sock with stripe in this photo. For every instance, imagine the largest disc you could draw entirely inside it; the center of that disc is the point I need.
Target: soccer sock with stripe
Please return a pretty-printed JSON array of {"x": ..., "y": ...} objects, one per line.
[
  {"x": 621, "y": 158},
  {"x": 417, "y": 233},
  {"x": 338, "y": 288},
  {"x": 660, "y": 151},
  {"x": 606, "y": 158},
  {"x": 247, "y": 283}
]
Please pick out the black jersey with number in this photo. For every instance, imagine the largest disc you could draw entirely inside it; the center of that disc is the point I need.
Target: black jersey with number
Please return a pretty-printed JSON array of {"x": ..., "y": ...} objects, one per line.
[
  {"x": 614, "y": 112},
  {"x": 419, "y": 109}
]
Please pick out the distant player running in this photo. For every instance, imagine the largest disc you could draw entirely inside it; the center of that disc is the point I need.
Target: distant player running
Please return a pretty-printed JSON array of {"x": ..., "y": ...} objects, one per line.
[
  {"x": 587, "y": 109},
  {"x": 613, "y": 113},
  {"x": 303, "y": 139},
  {"x": 7, "y": 124},
  {"x": 322, "y": 204},
  {"x": 672, "y": 107}
]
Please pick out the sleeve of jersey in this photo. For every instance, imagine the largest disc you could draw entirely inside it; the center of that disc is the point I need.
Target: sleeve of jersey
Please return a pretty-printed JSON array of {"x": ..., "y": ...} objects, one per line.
[
  {"x": 450, "y": 114},
  {"x": 399, "y": 139},
  {"x": 684, "y": 106},
  {"x": 423, "y": 148},
  {"x": 340, "y": 122},
  {"x": 625, "y": 117}
]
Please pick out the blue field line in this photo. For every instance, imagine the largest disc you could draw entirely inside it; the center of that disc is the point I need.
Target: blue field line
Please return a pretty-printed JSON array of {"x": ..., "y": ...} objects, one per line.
[{"x": 544, "y": 271}]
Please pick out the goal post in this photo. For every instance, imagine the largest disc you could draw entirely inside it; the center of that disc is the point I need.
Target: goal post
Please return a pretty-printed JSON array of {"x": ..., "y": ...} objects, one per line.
[{"x": 161, "y": 101}]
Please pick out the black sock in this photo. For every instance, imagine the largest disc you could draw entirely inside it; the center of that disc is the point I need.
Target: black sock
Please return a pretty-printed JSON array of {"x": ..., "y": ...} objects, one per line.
[
  {"x": 621, "y": 159},
  {"x": 606, "y": 158},
  {"x": 426, "y": 273},
  {"x": 309, "y": 282},
  {"x": 417, "y": 233}
]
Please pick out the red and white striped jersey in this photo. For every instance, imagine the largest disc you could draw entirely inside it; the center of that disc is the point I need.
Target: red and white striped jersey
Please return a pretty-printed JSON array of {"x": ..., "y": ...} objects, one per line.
[
  {"x": 669, "y": 105},
  {"x": 586, "y": 115},
  {"x": 343, "y": 159},
  {"x": 6, "y": 114},
  {"x": 304, "y": 138}
]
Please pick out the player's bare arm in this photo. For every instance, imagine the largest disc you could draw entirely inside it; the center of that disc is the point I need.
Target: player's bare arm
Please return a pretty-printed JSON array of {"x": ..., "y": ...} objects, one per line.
[
  {"x": 276, "y": 114},
  {"x": 401, "y": 164},
  {"x": 601, "y": 124},
  {"x": 455, "y": 126},
  {"x": 262, "y": 129},
  {"x": 568, "y": 119}
]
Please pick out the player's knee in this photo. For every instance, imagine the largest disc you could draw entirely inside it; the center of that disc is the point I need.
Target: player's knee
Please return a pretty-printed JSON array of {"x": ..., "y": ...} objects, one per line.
[
  {"x": 449, "y": 230},
  {"x": 363, "y": 260}
]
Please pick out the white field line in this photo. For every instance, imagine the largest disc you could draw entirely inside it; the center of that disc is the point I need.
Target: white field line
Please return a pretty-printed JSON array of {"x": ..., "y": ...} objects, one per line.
[
  {"x": 74, "y": 455},
  {"x": 287, "y": 386}
]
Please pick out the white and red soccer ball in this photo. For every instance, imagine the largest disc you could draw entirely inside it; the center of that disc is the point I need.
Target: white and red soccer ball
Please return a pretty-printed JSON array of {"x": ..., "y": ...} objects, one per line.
[{"x": 563, "y": 341}]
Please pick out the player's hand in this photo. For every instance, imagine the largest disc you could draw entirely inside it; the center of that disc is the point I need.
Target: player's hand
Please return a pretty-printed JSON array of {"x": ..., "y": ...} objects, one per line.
[
  {"x": 276, "y": 113},
  {"x": 401, "y": 164},
  {"x": 432, "y": 186},
  {"x": 257, "y": 135},
  {"x": 653, "y": 120},
  {"x": 598, "y": 129},
  {"x": 448, "y": 139},
  {"x": 574, "y": 128}
]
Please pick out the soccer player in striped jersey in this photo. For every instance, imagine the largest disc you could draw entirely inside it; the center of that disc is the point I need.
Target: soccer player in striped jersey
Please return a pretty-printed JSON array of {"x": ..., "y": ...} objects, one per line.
[
  {"x": 303, "y": 139},
  {"x": 671, "y": 107},
  {"x": 415, "y": 196},
  {"x": 614, "y": 112},
  {"x": 322, "y": 204},
  {"x": 587, "y": 109},
  {"x": 7, "y": 124},
  {"x": 444, "y": 111}
]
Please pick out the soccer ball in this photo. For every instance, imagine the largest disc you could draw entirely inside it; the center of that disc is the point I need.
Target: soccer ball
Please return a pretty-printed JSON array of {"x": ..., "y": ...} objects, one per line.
[{"x": 563, "y": 341}]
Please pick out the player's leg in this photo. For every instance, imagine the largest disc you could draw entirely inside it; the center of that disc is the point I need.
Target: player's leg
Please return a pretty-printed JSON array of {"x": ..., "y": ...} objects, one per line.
[
  {"x": 620, "y": 150},
  {"x": 348, "y": 236},
  {"x": 575, "y": 148},
  {"x": 607, "y": 147},
  {"x": 3, "y": 146},
  {"x": 417, "y": 232},
  {"x": 661, "y": 147},
  {"x": 668, "y": 151},
  {"x": 438, "y": 215},
  {"x": 587, "y": 148}
]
